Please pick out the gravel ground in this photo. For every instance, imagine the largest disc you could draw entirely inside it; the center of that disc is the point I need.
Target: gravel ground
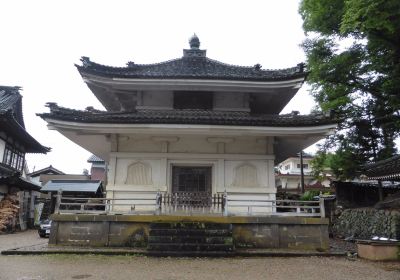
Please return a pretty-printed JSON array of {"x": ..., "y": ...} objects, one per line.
[
  {"x": 143, "y": 268},
  {"x": 131, "y": 267}
]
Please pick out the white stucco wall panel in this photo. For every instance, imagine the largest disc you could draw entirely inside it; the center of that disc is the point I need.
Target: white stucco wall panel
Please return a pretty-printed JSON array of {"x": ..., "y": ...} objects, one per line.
[
  {"x": 233, "y": 167},
  {"x": 153, "y": 169},
  {"x": 246, "y": 145},
  {"x": 138, "y": 144},
  {"x": 192, "y": 144}
]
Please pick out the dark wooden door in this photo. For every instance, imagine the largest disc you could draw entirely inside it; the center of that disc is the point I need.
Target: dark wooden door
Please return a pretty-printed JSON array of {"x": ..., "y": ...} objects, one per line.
[
  {"x": 192, "y": 186},
  {"x": 191, "y": 179}
]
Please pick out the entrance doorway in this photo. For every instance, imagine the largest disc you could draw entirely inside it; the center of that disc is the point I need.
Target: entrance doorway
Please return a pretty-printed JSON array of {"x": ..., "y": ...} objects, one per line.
[{"x": 192, "y": 186}]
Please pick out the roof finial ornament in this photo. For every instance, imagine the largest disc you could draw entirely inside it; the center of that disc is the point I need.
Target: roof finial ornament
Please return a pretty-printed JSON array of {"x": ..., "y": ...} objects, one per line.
[{"x": 194, "y": 42}]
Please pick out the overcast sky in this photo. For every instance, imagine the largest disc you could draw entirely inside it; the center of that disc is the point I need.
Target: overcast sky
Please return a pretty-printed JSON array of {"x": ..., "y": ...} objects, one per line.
[{"x": 42, "y": 40}]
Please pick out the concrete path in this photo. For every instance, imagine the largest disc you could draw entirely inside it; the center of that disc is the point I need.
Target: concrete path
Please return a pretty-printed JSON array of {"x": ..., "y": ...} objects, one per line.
[{"x": 21, "y": 239}]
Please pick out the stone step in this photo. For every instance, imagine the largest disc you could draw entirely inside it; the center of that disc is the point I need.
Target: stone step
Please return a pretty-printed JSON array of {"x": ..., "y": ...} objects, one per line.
[
  {"x": 190, "y": 225},
  {"x": 190, "y": 232},
  {"x": 191, "y": 253},
  {"x": 191, "y": 239},
  {"x": 192, "y": 247}
]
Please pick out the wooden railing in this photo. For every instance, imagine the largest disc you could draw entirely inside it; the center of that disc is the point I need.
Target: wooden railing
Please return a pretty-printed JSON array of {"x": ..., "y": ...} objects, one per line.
[{"x": 189, "y": 203}]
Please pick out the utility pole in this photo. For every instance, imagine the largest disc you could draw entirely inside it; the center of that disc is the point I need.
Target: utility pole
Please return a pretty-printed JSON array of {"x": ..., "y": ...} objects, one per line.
[{"x": 301, "y": 172}]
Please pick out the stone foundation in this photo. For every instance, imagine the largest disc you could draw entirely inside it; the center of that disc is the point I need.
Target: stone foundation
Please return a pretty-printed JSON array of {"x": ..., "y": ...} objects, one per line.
[
  {"x": 364, "y": 223},
  {"x": 132, "y": 231}
]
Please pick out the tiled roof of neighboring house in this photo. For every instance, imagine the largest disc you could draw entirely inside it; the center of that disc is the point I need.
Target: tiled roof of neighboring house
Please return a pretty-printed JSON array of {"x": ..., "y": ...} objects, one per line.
[
  {"x": 11, "y": 101},
  {"x": 388, "y": 169},
  {"x": 47, "y": 170},
  {"x": 19, "y": 182},
  {"x": 189, "y": 116},
  {"x": 6, "y": 171},
  {"x": 87, "y": 186},
  {"x": 193, "y": 65},
  {"x": 366, "y": 185},
  {"x": 13, "y": 128},
  {"x": 94, "y": 158},
  {"x": 12, "y": 121}
]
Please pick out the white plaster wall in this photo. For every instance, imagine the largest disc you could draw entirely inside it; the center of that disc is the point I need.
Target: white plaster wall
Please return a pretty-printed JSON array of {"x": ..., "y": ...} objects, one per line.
[
  {"x": 2, "y": 148},
  {"x": 157, "y": 99},
  {"x": 121, "y": 173},
  {"x": 192, "y": 151},
  {"x": 138, "y": 143},
  {"x": 246, "y": 145},
  {"x": 231, "y": 101},
  {"x": 261, "y": 167},
  {"x": 193, "y": 144}
]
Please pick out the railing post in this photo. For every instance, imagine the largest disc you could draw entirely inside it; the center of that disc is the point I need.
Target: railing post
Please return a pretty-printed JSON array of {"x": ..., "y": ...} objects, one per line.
[
  {"x": 107, "y": 207},
  {"x": 158, "y": 203},
  {"x": 322, "y": 207},
  {"x": 58, "y": 201},
  {"x": 225, "y": 203}
]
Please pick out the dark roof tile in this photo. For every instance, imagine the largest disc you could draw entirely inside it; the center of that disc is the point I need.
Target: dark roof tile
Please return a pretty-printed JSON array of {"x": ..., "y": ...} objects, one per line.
[
  {"x": 191, "y": 67},
  {"x": 193, "y": 116}
]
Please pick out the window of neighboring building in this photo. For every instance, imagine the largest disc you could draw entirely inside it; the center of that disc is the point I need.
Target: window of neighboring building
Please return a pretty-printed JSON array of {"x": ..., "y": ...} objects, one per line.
[
  {"x": 13, "y": 158},
  {"x": 193, "y": 100},
  {"x": 287, "y": 167},
  {"x": 305, "y": 165}
]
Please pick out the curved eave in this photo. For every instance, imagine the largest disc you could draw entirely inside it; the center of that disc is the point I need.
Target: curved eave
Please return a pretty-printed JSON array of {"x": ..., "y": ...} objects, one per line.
[
  {"x": 188, "y": 129},
  {"x": 190, "y": 83}
]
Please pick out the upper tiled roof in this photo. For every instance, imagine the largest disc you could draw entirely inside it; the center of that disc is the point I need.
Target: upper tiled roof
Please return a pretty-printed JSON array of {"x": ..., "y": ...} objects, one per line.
[
  {"x": 205, "y": 117},
  {"x": 193, "y": 65}
]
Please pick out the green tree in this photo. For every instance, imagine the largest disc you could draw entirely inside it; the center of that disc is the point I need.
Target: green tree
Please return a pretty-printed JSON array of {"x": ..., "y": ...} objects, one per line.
[{"x": 353, "y": 55}]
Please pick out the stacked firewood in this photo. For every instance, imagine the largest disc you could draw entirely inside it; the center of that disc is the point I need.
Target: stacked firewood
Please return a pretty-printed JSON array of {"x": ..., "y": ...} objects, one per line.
[{"x": 8, "y": 211}]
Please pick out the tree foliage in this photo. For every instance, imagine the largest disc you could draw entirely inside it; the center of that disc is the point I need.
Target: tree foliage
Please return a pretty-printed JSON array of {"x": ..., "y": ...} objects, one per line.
[{"x": 353, "y": 55}]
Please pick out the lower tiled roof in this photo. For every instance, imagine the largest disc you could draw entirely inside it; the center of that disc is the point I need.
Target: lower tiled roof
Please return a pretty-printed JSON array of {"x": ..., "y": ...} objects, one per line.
[{"x": 192, "y": 116}]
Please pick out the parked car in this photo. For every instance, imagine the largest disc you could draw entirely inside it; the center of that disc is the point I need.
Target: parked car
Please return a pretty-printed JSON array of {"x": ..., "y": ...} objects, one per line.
[{"x": 44, "y": 229}]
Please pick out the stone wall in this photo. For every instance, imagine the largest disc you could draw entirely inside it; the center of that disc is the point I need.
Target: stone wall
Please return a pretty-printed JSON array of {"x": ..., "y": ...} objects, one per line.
[
  {"x": 300, "y": 233},
  {"x": 364, "y": 223}
]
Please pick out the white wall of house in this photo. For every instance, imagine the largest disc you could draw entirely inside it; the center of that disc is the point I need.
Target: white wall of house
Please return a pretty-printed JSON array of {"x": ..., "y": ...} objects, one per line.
[{"x": 292, "y": 166}]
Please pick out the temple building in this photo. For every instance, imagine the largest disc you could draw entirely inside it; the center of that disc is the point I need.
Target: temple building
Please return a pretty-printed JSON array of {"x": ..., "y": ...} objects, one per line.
[{"x": 191, "y": 127}]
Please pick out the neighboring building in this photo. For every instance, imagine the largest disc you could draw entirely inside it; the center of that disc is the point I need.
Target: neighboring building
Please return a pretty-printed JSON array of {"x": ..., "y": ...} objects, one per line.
[
  {"x": 98, "y": 169},
  {"x": 15, "y": 142},
  {"x": 356, "y": 194},
  {"x": 192, "y": 127},
  {"x": 76, "y": 188},
  {"x": 288, "y": 175},
  {"x": 35, "y": 176}
]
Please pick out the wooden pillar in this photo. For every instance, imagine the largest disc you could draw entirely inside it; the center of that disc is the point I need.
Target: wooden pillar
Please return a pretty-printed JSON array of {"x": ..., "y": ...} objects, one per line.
[{"x": 380, "y": 191}]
